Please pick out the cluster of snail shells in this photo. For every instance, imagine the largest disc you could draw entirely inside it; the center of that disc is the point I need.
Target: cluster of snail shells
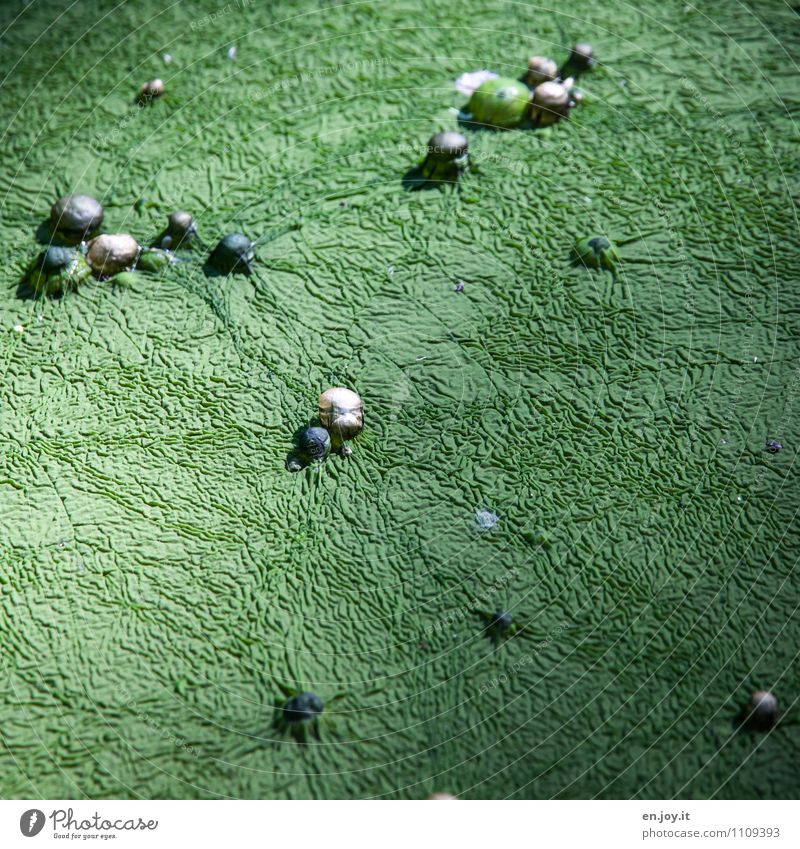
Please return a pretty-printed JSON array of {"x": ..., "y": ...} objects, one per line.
[{"x": 341, "y": 413}]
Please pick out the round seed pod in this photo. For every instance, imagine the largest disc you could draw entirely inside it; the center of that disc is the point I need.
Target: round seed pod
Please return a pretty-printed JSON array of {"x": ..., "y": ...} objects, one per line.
[
  {"x": 341, "y": 413},
  {"x": 501, "y": 102},
  {"x": 582, "y": 56},
  {"x": 57, "y": 270},
  {"x": 540, "y": 70},
  {"x": 76, "y": 215},
  {"x": 447, "y": 157},
  {"x": 550, "y": 103},
  {"x": 303, "y": 707},
  {"x": 315, "y": 443},
  {"x": 597, "y": 252},
  {"x": 761, "y": 711},
  {"x": 153, "y": 259},
  {"x": 234, "y": 252},
  {"x": 151, "y": 90},
  {"x": 109, "y": 254}
]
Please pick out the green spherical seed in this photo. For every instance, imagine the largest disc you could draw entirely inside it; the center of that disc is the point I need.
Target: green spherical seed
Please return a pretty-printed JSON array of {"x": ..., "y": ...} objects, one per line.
[
  {"x": 501, "y": 102},
  {"x": 153, "y": 259}
]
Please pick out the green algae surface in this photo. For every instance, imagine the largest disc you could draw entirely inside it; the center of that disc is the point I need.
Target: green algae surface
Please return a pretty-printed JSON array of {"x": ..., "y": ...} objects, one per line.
[{"x": 165, "y": 581}]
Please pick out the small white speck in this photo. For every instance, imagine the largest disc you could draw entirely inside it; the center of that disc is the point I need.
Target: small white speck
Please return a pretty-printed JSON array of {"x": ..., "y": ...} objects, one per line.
[
  {"x": 755, "y": 359},
  {"x": 390, "y": 270},
  {"x": 232, "y": 53},
  {"x": 18, "y": 328},
  {"x": 167, "y": 58},
  {"x": 587, "y": 199},
  {"x": 738, "y": 497},
  {"x": 40, "y": 318},
  {"x": 623, "y": 83}
]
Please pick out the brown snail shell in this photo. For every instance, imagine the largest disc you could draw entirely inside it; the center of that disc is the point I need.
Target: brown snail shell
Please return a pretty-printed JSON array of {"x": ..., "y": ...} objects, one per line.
[
  {"x": 540, "y": 70},
  {"x": 341, "y": 413},
  {"x": 150, "y": 90},
  {"x": 76, "y": 215},
  {"x": 110, "y": 254},
  {"x": 551, "y": 102}
]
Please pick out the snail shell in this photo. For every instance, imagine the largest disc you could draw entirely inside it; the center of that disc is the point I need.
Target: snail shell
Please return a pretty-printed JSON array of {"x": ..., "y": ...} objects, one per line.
[
  {"x": 551, "y": 102},
  {"x": 761, "y": 712},
  {"x": 582, "y": 56},
  {"x": 540, "y": 70},
  {"x": 109, "y": 254},
  {"x": 341, "y": 413},
  {"x": 76, "y": 214},
  {"x": 150, "y": 90}
]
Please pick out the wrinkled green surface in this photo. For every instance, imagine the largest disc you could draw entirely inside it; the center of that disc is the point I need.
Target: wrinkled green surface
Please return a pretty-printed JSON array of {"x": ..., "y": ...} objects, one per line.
[{"x": 162, "y": 574}]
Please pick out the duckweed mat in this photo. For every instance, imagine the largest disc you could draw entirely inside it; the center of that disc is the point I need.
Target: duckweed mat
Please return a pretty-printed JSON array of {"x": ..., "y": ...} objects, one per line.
[{"x": 584, "y": 451}]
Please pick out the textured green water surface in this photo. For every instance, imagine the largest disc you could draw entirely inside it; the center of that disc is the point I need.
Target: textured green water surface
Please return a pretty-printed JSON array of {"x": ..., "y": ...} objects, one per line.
[{"x": 162, "y": 575}]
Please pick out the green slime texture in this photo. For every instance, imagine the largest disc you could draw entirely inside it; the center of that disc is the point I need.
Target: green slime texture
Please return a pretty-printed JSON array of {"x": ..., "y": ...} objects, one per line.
[{"x": 163, "y": 575}]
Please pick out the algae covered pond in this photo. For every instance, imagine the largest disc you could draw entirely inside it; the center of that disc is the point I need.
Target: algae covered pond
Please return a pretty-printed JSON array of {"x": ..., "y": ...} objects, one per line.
[{"x": 586, "y": 451}]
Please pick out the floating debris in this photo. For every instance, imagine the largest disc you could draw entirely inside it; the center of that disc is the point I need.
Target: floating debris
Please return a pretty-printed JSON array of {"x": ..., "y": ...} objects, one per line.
[
  {"x": 773, "y": 446},
  {"x": 467, "y": 83},
  {"x": 486, "y": 520}
]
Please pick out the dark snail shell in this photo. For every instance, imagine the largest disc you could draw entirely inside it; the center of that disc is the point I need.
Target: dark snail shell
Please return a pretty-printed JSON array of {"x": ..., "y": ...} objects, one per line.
[
  {"x": 303, "y": 707},
  {"x": 76, "y": 215},
  {"x": 582, "y": 56},
  {"x": 341, "y": 413},
  {"x": 502, "y": 620},
  {"x": 55, "y": 258},
  {"x": 315, "y": 443},
  {"x": 57, "y": 270},
  {"x": 233, "y": 253},
  {"x": 761, "y": 711}
]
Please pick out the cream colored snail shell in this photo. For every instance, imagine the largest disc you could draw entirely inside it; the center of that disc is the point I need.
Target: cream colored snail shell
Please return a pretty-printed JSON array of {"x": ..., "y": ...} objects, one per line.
[
  {"x": 150, "y": 90},
  {"x": 109, "y": 254},
  {"x": 540, "y": 70},
  {"x": 341, "y": 413},
  {"x": 551, "y": 102}
]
